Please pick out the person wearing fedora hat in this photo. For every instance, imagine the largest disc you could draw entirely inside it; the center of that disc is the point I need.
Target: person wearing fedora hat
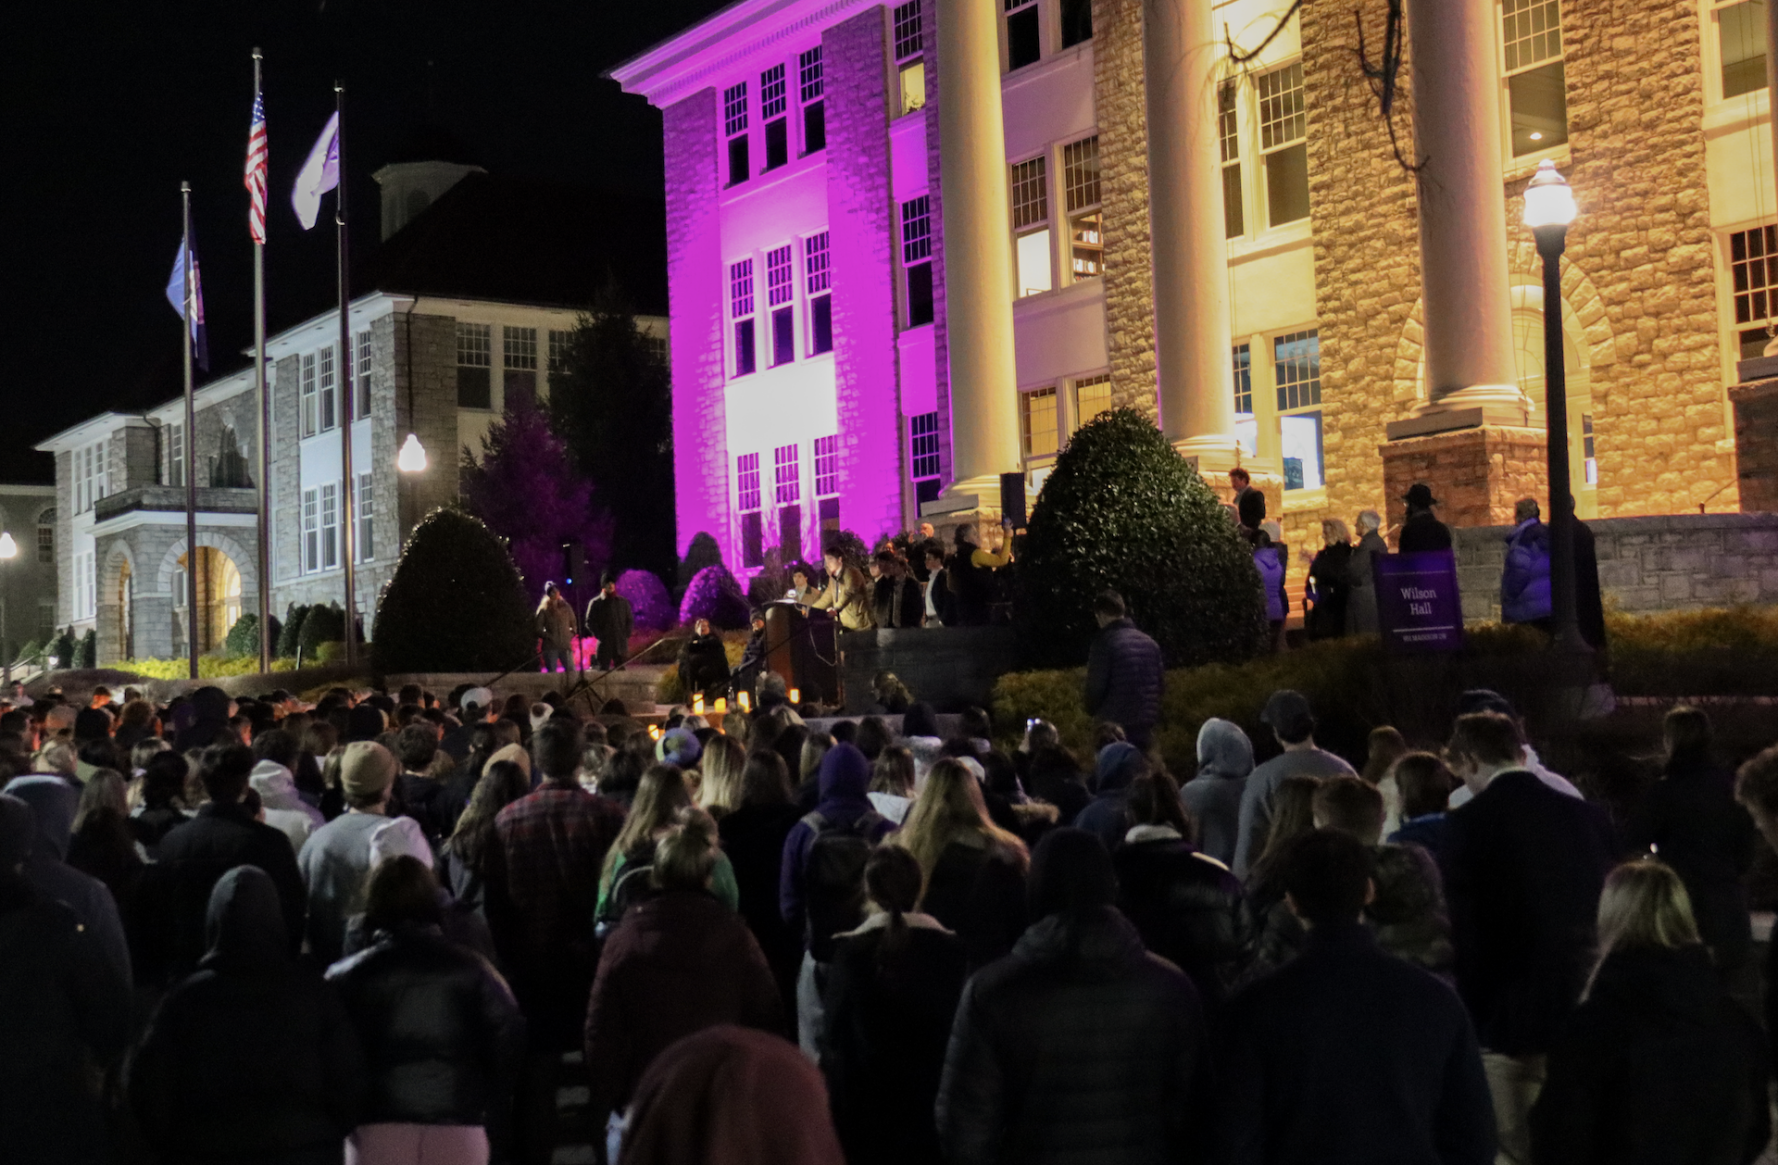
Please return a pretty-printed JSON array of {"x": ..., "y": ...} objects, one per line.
[{"x": 1422, "y": 530}]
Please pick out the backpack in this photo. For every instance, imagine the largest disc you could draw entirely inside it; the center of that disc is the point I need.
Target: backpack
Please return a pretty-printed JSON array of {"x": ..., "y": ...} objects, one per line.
[
  {"x": 633, "y": 886},
  {"x": 833, "y": 878}
]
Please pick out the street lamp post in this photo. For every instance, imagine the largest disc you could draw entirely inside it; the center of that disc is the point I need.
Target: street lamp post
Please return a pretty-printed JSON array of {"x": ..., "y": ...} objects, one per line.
[
  {"x": 1549, "y": 208},
  {"x": 9, "y": 550}
]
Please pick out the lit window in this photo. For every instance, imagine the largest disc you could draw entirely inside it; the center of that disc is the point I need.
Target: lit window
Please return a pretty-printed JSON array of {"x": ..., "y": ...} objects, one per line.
[
  {"x": 519, "y": 352},
  {"x": 827, "y": 482},
  {"x": 924, "y": 455},
  {"x": 361, "y": 373},
  {"x": 1589, "y": 452},
  {"x": 1753, "y": 270},
  {"x": 329, "y": 398},
  {"x": 1537, "y": 97},
  {"x": 330, "y": 526},
  {"x": 909, "y": 44},
  {"x": 311, "y": 531},
  {"x": 91, "y": 476},
  {"x": 475, "y": 364},
  {"x": 740, "y": 284},
  {"x": 773, "y": 105},
  {"x": 812, "y": 88},
  {"x": 1077, "y": 22},
  {"x": 1030, "y": 224},
  {"x": 1296, "y": 369},
  {"x": 1246, "y": 426},
  {"x": 1023, "y": 40},
  {"x": 1086, "y": 233},
  {"x": 1092, "y": 396},
  {"x": 1283, "y": 133},
  {"x": 734, "y": 125},
  {"x": 1234, "y": 217},
  {"x": 747, "y": 497},
  {"x": 780, "y": 290},
  {"x": 364, "y": 514},
  {"x": 1741, "y": 37},
  {"x": 817, "y": 287},
  {"x": 916, "y": 258},
  {"x": 310, "y": 409},
  {"x": 787, "y": 496},
  {"x": 1037, "y": 411}
]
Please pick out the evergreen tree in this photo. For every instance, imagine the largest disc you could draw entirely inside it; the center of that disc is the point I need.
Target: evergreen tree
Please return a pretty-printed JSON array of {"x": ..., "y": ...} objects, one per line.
[
  {"x": 528, "y": 490},
  {"x": 455, "y": 603},
  {"x": 613, "y": 406}
]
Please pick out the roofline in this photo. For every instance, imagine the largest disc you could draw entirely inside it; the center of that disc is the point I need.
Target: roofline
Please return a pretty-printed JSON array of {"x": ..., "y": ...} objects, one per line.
[
  {"x": 233, "y": 384},
  {"x": 672, "y": 68},
  {"x": 15, "y": 488},
  {"x": 86, "y": 431}
]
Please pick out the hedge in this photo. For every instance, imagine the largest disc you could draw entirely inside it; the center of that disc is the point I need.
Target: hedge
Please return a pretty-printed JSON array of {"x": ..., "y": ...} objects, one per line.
[{"x": 455, "y": 602}]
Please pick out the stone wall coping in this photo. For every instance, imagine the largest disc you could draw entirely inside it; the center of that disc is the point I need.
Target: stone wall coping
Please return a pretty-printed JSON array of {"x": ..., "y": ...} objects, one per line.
[
  {"x": 210, "y": 499},
  {"x": 1652, "y": 524},
  {"x": 1753, "y": 390}
]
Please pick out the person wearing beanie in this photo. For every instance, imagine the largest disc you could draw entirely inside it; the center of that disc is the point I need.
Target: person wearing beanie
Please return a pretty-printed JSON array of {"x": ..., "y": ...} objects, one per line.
[
  {"x": 1079, "y": 1043},
  {"x": 335, "y": 861},
  {"x": 64, "y": 1006},
  {"x": 679, "y": 748},
  {"x": 1118, "y": 764}
]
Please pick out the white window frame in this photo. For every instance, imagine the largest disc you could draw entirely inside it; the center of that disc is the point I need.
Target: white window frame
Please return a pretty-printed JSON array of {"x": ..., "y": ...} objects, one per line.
[
  {"x": 363, "y": 359},
  {"x": 1263, "y": 184},
  {"x": 907, "y": 28},
  {"x": 176, "y": 458},
  {"x": 743, "y": 307},
  {"x": 817, "y": 287},
  {"x": 364, "y": 518},
  {"x": 330, "y": 525},
  {"x": 310, "y": 408},
  {"x": 1316, "y": 407},
  {"x": 1033, "y": 231},
  {"x": 328, "y": 387},
  {"x": 1077, "y": 207},
  {"x": 1713, "y": 87},
  {"x": 1523, "y": 163},
  {"x": 311, "y": 531}
]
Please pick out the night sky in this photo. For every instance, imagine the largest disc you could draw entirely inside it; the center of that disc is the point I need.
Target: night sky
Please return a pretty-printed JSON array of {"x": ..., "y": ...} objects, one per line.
[{"x": 106, "y": 107}]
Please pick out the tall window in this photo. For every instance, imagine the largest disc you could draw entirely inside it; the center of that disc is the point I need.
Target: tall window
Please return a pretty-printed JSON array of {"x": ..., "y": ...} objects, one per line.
[
  {"x": 734, "y": 126},
  {"x": 1246, "y": 428},
  {"x": 827, "y": 482},
  {"x": 311, "y": 409},
  {"x": 558, "y": 352},
  {"x": 46, "y": 536},
  {"x": 311, "y": 531},
  {"x": 747, "y": 499},
  {"x": 1077, "y": 22},
  {"x": 519, "y": 354},
  {"x": 1741, "y": 39},
  {"x": 780, "y": 291},
  {"x": 811, "y": 91},
  {"x": 740, "y": 295},
  {"x": 1296, "y": 368},
  {"x": 787, "y": 495},
  {"x": 1283, "y": 144},
  {"x": 774, "y": 106},
  {"x": 1228, "y": 132},
  {"x": 475, "y": 366},
  {"x": 85, "y": 588},
  {"x": 1030, "y": 224},
  {"x": 1037, "y": 422},
  {"x": 910, "y": 67},
  {"x": 1536, "y": 89},
  {"x": 175, "y": 431},
  {"x": 1588, "y": 451},
  {"x": 923, "y": 455},
  {"x": 1086, "y": 224},
  {"x": 916, "y": 258},
  {"x": 364, "y": 511},
  {"x": 1092, "y": 396},
  {"x": 330, "y": 525},
  {"x": 1753, "y": 270},
  {"x": 329, "y": 384},
  {"x": 818, "y": 292},
  {"x": 91, "y": 476},
  {"x": 361, "y": 373},
  {"x": 1023, "y": 40}
]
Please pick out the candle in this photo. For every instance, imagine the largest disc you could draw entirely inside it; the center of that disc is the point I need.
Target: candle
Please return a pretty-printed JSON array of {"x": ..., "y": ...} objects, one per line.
[
  {"x": 654, "y": 731},
  {"x": 697, "y": 704},
  {"x": 746, "y": 702},
  {"x": 721, "y": 705},
  {"x": 796, "y": 695}
]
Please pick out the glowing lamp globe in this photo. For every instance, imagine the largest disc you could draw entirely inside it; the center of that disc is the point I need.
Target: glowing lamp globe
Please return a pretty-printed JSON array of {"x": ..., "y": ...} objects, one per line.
[
  {"x": 1549, "y": 200},
  {"x": 412, "y": 458},
  {"x": 8, "y": 547}
]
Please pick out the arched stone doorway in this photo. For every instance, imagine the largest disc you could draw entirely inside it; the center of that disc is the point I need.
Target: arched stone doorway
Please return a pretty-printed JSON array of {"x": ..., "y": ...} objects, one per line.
[
  {"x": 219, "y": 588},
  {"x": 115, "y": 614}
]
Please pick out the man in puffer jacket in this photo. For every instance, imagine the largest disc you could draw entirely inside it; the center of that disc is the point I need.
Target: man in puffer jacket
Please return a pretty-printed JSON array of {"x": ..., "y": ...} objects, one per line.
[
  {"x": 1125, "y": 672},
  {"x": 1080, "y": 1045},
  {"x": 1525, "y": 581}
]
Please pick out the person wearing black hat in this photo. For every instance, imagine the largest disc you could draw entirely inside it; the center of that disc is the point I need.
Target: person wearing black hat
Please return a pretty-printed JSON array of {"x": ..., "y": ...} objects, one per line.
[
  {"x": 1078, "y": 1044},
  {"x": 611, "y": 620},
  {"x": 1422, "y": 530},
  {"x": 1292, "y": 721}
]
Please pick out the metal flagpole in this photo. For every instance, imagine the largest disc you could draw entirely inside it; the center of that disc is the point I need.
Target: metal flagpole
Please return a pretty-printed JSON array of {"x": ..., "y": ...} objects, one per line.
[
  {"x": 348, "y": 484},
  {"x": 187, "y": 319},
  {"x": 266, "y": 646}
]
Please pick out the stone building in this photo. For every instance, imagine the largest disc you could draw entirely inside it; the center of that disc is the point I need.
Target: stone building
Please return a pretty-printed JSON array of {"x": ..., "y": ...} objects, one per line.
[
  {"x": 914, "y": 246},
  {"x": 28, "y": 578},
  {"x": 471, "y": 300}
]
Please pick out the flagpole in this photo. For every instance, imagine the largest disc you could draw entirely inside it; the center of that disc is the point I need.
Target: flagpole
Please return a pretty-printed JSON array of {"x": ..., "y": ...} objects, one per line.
[
  {"x": 266, "y": 647},
  {"x": 187, "y": 319},
  {"x": 349, "y": 482}
]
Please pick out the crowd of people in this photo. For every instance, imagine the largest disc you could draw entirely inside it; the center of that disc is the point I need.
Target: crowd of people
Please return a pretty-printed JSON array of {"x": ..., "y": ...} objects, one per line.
[{"x": 387, "y": 928}]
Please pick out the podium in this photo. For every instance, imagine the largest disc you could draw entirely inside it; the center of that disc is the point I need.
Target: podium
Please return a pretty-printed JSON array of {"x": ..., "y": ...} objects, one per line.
[{"x": 803, "y": 649}]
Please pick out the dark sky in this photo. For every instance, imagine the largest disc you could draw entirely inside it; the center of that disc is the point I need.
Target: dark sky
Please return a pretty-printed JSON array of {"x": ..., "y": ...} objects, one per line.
[{"x": 106, "y": 107}]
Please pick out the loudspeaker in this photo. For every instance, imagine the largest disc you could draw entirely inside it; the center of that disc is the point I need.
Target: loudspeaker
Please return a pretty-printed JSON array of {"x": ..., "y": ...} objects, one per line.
[
  {"x": 573, "y": 562},
  {"x": 1012, "y": 499}
]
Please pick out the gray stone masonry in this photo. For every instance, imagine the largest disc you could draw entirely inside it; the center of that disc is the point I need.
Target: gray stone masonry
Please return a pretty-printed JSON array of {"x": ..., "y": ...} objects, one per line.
[
  {"x": 286, "y": 465},
  {"x": 1672, "y": 563},
  {"x": 64, "y": 538}
]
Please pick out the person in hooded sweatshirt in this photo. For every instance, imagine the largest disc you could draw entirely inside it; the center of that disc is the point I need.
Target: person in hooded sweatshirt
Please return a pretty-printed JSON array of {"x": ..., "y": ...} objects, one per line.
[
  {"x": 1080, "y": 1045},
  {"x": 252, "y": 1057},
  {"x": 64, "y": 1006},
  {"x": 1658, "y": 1063},
  {"x": 1119, "y": 763},
  {"x": 1213, "y": 797},
  {"x": 276, "y": 752},
  {"x": 53, "y": 802}
]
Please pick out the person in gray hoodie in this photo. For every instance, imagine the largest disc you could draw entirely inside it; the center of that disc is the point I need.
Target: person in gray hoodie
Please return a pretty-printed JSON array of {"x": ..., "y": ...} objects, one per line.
[
  {"x": 276, "y": 752},
  {"x": 53, "y": 801},
  {"x": 1213, "y": 797}
]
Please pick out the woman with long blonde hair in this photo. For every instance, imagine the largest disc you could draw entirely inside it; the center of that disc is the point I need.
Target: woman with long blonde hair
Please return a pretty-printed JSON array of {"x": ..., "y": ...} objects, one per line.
[
  {"x": 1658, "y": 1063},
  {"x": 722, "y": 764},
  {"x": 660, "y": 798},
  {"x": 975, "y": 870}
]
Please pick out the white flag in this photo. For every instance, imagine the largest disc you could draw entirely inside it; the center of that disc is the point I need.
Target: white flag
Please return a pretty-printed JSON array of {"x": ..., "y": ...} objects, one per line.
[{"x": 319, "y": 174}]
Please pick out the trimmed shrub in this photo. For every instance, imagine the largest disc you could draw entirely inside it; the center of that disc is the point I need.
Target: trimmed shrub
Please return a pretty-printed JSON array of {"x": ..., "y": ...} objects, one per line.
[
  {"x": 243, "y": 637},
  {"x": 325, "y": 624},
  {"x": 1123, "y": 510},
  {"x": 61, "y": 648},
  {"x": 87, "y": 652},
  {"x": 291, "y": 633},
  {"x": 700, "y": 555},
  {"x": 715, "y": 595},
  {"x": 455, "y": 603},
  {"x": 649, "y": 599}
]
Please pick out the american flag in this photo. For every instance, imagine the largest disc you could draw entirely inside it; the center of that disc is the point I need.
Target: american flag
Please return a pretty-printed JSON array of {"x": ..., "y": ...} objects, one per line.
[{"x": 256, "y": 162}]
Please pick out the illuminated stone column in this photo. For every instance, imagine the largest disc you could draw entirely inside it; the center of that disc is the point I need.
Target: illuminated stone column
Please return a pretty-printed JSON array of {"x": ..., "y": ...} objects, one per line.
[
  {"x": 978, "y": 256},
  {"x": 1190, "y": 250}
]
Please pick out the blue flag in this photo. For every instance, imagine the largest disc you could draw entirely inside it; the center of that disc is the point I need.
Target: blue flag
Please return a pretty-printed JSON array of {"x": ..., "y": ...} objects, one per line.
[{"x": 176, "y": 294}]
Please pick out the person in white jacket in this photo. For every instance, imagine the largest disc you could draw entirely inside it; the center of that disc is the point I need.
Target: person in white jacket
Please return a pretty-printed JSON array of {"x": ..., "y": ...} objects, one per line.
[{"x": 273, "y": 780}]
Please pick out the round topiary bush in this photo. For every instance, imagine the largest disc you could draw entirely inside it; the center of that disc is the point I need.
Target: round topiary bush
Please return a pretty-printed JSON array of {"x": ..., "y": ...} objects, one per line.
[
  {"x": 701, "y": 554},
  {"x": 291, "y": 633},
  {"x": 649, "y": 599},
  {"x": 715, "y": 595},
  {"x": 455, "y": 603},
  {"x": 1123, "y": 510},
  {"x": 324, "y": 624},
  {"x": 243, "y": 637}
]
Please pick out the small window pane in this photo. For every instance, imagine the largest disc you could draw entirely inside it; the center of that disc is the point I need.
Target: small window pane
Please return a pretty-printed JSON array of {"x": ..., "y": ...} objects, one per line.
[
  {"x": 777, "y": 143},
  {"x": 1077, "y": 22},
  {"x": 734, "y": 109},
  {"x": 1087, "y": 242},
  {"x": 745, "y": 359},
  {"x": 923, "y": 432},
  {"x": 821, "y": 324},
  {"x": 1741, "y": 31},
  {"x": 908, "y": 30},
  {"x": 737, "y": 160},
  {"x": 1282, "y": 118},
  {"x": 1539, "y": 101},
  {"x": 1030, "y": 193},
  {"x": 1092, "y": 396},
  {"x": 919, "y": 295},
  {"x": 1287, "y": 184},
  {"x": 1080, "y": 173},
  {"x": 1243, "y": 378},
  {"x": 811, "y": 85},
  {"x": 1300, "y": 435},
  {"x": 1234, "y": 215},
  {"x": 474, "y": 388},
  {"x": 783, "y": 335},
  {"x": 1296, "y": 369},
  {"x": 815, "y": 127},
  {"x": 772, "y": 96},
  {"x": 1531, "y": 31},
  {"x": 1034, "y": 262},
  {"x": 1039, "y": 413},
  {"x": 913, "y": 86},
  {"x": 1022, "y": 45}
]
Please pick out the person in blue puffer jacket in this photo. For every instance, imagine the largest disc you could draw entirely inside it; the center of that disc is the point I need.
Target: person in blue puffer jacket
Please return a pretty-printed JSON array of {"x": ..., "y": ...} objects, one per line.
[{"x": 1525, "y": 581}]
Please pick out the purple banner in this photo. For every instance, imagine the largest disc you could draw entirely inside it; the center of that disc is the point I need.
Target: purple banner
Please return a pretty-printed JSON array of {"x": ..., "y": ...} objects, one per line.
[{"x": 1418, "y": 607}]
